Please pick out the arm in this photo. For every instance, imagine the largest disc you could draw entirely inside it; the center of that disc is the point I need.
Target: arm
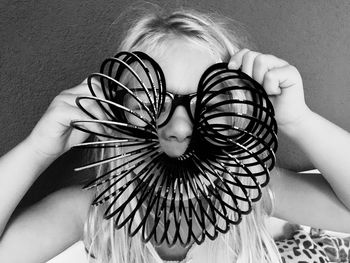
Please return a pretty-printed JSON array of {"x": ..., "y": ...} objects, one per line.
[
  {"x": 325, "y": 144},
  {"x": 46, "y": 228},
  {"x": 15, "y": 179},
  {"x": 328, "y": 147},
  {"x": 308, "y": 199},
  {"x": 51, "y": 137}
]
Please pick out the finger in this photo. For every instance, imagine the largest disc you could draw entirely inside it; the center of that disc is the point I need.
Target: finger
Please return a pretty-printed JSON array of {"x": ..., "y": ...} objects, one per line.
[
  {"x": 264, "y": 63},
  {"x": 93, "y": 108},
  {"x": 237, "y": 59},
  {"x": 83, "y": 88},
  {"x": 93, "y": 80},
  {"x": 67, "y": 101},
  {"x": 63, "y": 114},
  {"x": 82, "y": 120},
  {"x": 98, "y": 112},
  {"x": 248, "y": 62},
  {"x": 280, "y": 78},
  {"x": 72, "y": 98},
  {"x": 68, "y": 109}
]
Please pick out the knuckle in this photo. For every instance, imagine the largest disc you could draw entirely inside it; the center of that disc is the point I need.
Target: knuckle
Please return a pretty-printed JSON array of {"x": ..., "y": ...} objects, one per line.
[
  {"x": 250, "y": 56},
  {"x": 63, "y": 93},
  {"x": 270, "y": 56},
  {"x": 57, "y": 108},
  {"x": 295, "y": 72},
  {"x": 68, "y": 92},
  {"x": 293, "y": 68},
  {"x": 57, "y": 100},
  {"x": 93, "y": 109},
  {"x": 260, "y": 59},
  {"x": 89, "y": 106},
  {"x": 270, "y": 75},
  {"x": 244, "y": 50},
  {"x": 95, "y": 81}
]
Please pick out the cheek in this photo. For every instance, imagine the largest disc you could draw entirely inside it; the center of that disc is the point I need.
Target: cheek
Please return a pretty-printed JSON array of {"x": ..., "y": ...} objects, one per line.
[{"x": 161, "y": 133}]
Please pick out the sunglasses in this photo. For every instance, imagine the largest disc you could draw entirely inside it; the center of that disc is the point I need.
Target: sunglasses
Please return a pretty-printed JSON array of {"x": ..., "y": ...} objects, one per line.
[{"x": 139, "y": 105}]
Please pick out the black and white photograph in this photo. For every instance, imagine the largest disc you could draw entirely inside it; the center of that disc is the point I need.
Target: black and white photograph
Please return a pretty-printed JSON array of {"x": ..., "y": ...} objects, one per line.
[{"x": 174, "y": 131}]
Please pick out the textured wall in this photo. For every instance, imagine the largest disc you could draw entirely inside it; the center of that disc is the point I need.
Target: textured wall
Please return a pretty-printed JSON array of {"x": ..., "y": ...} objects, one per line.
[{"x": 48, "y": 46}]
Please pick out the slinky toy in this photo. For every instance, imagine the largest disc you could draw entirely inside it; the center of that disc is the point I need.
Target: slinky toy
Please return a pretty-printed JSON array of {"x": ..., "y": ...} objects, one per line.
[{"x": 200, "y": 193}]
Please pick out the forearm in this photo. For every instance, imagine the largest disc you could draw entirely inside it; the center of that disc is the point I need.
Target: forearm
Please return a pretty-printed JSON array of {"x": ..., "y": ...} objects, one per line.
[
  {"x": 328, "y": 147},
  {"x": 19, "y": 168}
]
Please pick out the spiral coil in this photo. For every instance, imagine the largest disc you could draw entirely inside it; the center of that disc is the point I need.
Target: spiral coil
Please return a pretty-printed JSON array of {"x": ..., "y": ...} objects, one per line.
[{"x": 210, "y": 186}]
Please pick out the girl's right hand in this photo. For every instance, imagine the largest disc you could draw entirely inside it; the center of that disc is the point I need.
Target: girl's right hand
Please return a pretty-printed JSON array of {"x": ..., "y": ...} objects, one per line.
[{"x": 53, "y": 135}]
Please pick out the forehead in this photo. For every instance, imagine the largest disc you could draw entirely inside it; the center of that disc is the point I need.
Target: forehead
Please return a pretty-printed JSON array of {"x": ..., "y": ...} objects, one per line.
[{"x": 183, "y": 63}]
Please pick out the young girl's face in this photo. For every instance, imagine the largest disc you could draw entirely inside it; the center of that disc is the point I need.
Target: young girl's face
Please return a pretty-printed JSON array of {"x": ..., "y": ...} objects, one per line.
[{"x": 183, "y": 63}]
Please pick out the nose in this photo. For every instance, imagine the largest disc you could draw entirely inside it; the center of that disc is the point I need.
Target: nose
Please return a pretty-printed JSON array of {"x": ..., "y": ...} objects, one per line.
[{"x": 175, "y": 136}]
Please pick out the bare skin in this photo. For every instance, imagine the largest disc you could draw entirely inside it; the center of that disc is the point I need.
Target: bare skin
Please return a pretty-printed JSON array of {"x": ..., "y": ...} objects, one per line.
[{"x": 55, "y": 223}]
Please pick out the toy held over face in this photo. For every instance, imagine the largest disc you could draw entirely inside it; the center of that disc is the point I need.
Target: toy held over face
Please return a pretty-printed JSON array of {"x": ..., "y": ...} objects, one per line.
[{"x": 179, "y": 199}]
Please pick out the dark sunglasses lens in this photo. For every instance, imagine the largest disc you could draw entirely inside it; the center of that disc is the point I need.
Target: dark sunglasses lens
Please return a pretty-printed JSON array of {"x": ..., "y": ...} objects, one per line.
[{"x": 192, "y": 106}]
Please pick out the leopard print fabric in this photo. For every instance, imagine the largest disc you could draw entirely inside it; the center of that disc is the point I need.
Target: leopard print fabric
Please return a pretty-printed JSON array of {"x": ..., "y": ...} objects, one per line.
[{"x": 314, "y": 247}]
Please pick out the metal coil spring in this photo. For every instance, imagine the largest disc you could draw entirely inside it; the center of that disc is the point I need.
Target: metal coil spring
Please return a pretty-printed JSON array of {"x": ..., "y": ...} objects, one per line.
[{"x": 196, "y": 195}]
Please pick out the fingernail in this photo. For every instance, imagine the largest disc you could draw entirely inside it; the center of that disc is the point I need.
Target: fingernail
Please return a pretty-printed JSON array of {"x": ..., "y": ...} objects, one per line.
[{"x": 233, "y": 65}]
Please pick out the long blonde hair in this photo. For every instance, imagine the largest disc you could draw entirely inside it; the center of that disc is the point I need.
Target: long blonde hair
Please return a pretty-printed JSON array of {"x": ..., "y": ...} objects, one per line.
[{"x": 247, "y": 242}]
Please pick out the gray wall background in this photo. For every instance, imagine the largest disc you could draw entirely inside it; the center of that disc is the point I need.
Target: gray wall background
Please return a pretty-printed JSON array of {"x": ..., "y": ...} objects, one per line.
[{"x": 48, "y": 46}]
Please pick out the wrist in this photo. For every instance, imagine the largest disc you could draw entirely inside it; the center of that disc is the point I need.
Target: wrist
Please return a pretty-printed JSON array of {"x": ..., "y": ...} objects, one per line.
[
  {"x": 298, "y": 125},
  {"x": 33, "y": 149}
]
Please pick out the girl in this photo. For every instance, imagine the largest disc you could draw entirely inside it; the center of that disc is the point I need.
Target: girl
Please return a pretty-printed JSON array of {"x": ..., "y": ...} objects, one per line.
[{"x": 184, "y": 44}]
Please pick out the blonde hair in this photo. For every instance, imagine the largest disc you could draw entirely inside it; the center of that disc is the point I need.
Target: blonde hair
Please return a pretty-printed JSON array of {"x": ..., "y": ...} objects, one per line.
[{"x": 247, "y": 242}]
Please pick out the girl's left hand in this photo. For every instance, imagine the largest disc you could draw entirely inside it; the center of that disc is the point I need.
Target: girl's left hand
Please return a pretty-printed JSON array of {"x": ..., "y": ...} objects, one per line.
[{"x": 281, "y": 81}]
